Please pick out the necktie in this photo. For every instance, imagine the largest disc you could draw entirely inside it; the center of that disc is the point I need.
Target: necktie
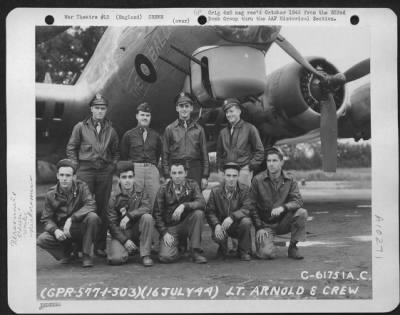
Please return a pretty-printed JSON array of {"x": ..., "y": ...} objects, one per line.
[
  {"x": 98, "y": 127},
  {"x": 185, "y": 124},
  {"x": 232, "y": 128},
  {"x": 144, "y": 134}
]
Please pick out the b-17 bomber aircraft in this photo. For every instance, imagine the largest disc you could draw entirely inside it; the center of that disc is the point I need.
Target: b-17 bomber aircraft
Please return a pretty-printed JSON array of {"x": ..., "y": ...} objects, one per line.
[{"x": 302, "y": 100}]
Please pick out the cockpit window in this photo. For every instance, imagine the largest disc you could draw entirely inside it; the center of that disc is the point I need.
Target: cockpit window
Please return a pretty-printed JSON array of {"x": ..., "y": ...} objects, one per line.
[{"x": 249, "y": 34}]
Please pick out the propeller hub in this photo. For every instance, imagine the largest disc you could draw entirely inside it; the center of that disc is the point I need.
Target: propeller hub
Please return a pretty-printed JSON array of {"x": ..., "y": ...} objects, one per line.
[{"x": 313, "y": 89}]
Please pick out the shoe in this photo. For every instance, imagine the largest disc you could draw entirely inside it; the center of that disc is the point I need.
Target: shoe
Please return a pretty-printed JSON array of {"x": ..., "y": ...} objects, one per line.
[
  {"x": 67, "y": 260},
  {"x": 245, "y": 257},
  {"x": 147, "y": 261},
  {"x": 87, "y": 261},
  {"x": 221, "y": 253},
  {"x": 198, "y": 259},
  {"x": 293, "y": 252},
  {"x": 100, "y": 253}
]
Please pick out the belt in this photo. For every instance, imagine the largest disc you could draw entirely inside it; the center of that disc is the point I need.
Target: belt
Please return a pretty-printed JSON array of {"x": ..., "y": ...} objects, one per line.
[
  {"x": 97, "y": 164},
  {"x": 145, "y": 164}
]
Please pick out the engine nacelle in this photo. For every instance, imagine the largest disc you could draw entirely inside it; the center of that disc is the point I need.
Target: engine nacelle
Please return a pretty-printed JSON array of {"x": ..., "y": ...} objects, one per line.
[
  {"x": 295, "y": 92},
  {"x": 360, "y": 105},
  {"x": 229, "y": 71}
]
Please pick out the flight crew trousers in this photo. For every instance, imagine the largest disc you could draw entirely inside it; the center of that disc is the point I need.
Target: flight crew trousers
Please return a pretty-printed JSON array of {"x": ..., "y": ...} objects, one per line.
[
  {"x": 84, "y": 232},
  {"x": 240, "y": 230},
  {"x": 194, "y": 171},
  {"x": 190, "y": 227},
  {"x": 147, "y": 179},
  {"x": 99, "y": 181},
  {"x": 140, "y": 233},
  {"x": 293, "y": 222}
]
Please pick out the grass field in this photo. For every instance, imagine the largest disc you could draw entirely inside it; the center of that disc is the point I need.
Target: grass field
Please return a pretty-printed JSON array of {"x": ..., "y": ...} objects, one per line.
[{"x": 345, "y": 174}]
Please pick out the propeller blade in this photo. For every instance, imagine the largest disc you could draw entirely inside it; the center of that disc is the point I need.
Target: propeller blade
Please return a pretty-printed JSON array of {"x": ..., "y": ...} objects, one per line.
[
  {"x": 329, "y": 130},
  {"x": 295, "y": 54},
  {"x": 358, "y": 70}
]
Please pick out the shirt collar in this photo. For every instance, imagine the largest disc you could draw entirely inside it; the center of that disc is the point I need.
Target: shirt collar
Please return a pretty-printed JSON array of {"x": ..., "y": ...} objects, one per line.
[
  {"x": 225, "y": 189},
  {"x": 61, "y": 192},
  {"x": 183, "y": 185},
  {"x": 283, "y": 175},
  {"x": 94, "y": 122},
  {"x": 119, "y": 191},
  {"x": 171, "y": 186},
  {"x": 182, "y": 122},
  {"x": 103, "y": 122},
  {"x": 141, "y": 127},
  {"x": 236, "y": 124}
]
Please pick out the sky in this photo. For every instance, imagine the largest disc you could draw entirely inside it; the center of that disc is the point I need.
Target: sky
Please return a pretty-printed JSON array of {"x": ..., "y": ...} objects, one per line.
[{"x": 343, "y": 46}]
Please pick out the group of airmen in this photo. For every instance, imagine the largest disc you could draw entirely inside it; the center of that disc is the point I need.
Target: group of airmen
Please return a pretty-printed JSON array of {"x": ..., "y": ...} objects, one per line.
[{"x": 164, "y": 211}]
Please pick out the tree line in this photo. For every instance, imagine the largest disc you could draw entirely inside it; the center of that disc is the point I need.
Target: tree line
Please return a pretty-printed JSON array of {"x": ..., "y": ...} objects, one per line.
[{"x": 65, "y": 56}]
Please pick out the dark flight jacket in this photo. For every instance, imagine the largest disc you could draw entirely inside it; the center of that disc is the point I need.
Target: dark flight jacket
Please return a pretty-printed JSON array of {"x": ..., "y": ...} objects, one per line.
[
  {"x": 58, "y": 207},
  {"x": 265, "y": 197},
  {"x": 188, "y": 144},
  {"x": 86, "y": 145},
  {"x": 220, "y": 207},
  {"x": 167, "y": 202},
  {"x": 136, "y": 205},
  {"x": 244, "y": 146},
  {"x": 134, "y": 149}
]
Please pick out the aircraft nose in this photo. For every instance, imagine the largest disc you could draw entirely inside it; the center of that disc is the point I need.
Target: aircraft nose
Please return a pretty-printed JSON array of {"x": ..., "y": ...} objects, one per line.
[{"x": 249, "y": 34}]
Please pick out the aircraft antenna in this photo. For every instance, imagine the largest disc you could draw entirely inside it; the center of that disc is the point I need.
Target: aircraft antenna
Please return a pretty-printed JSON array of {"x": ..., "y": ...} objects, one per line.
[
  {"x": 174, "y": 65},
  {"x": 189, "y": 57}
]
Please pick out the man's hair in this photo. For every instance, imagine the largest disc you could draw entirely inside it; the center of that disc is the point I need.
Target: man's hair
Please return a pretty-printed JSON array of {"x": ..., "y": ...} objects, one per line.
[
  {"x": 66, "y": 163},
  {"x": 274, "y": 150},
  {"x": 124, "y": 166},
  {"x": 178, "y": 163}
]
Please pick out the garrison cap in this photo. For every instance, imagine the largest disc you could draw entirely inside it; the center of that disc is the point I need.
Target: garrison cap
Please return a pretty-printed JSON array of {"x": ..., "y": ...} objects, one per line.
[
  {"x": 144, "y": 107},
  {"x": 231, "y": 165},
  {"x": 230, "y": 102},
  {"x": 276, "y": 150},
  {"x": 124, "y": 166},
  {"x": 66, "y": 163},
  {"x": 98, "y": 99},
  {"x": 183, "y": 98}
]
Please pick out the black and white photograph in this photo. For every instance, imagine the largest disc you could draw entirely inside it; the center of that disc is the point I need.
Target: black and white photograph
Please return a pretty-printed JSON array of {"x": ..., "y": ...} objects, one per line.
[{"x": 204, "y": 159}]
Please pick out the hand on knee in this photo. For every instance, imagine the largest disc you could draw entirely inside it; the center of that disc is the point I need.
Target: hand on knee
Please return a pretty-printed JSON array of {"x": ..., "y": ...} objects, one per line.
[{"x": 302, "y": 213}]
